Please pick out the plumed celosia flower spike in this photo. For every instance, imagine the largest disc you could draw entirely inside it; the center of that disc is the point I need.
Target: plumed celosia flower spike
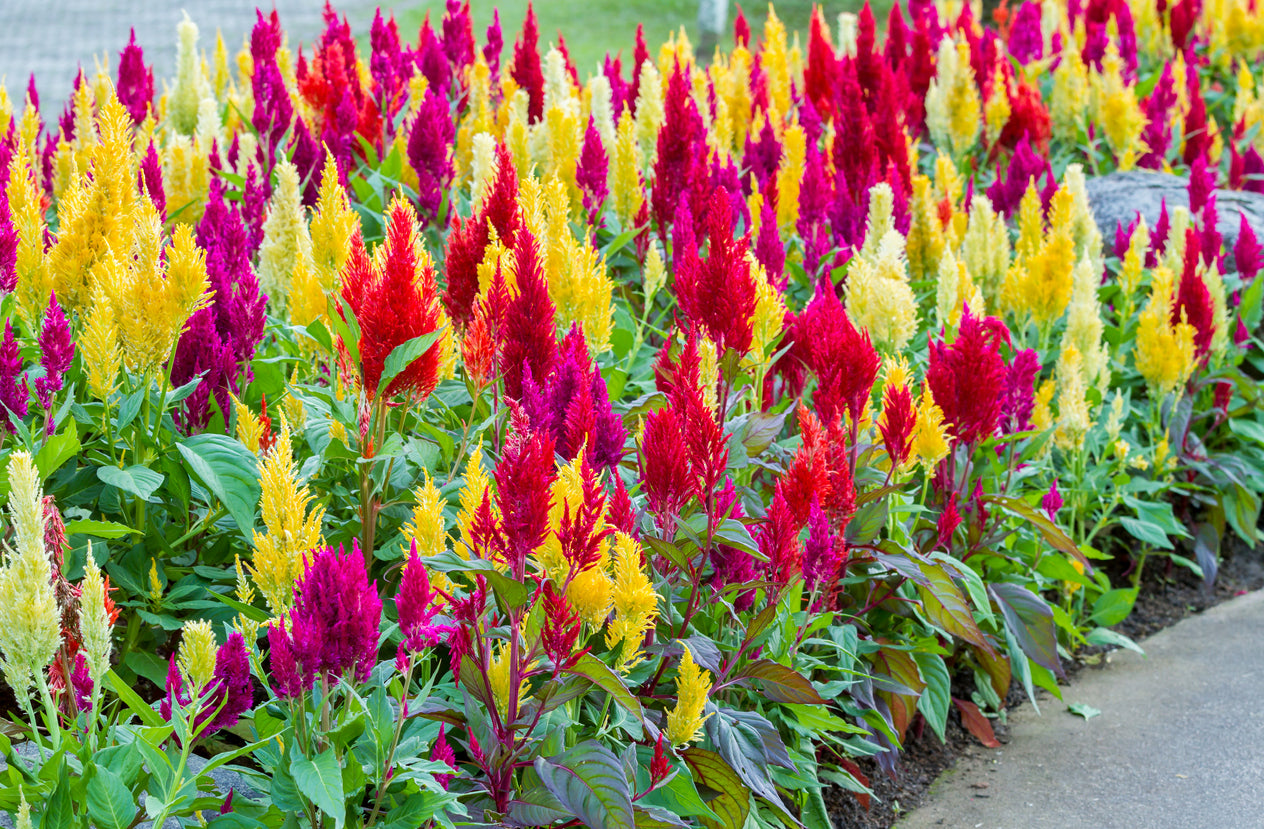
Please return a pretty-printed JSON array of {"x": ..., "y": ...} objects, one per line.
[
  {"x": 842, "y": 357},
  {"x": 1018, "y": 400},
  {"x": 149, "y": 179},
  {"x": 824, "y": 553},
  {"x": 8, "y": 240},
  {"x": 31, "y": 632},
  {"x": 467, "y": 243},
  {"x": 96, "y": 619},
  {"x": 1247, "y": 256},
  {"x": 442, "y": 753},
  {"x": 524, "y": 480},
  {"x": 135, "y": 87},
  {"x": 634, "y": 601},
  {"x": 390, "y": 66},
  {"x": 562, "y": 626},
  {"x": 1157, "y": 134},
  {"x": 418, "y": 604},
  {"x": 15, "y": 394},
  {"x": 967, "y": 378},
  {"x": 526, "y": 70},
  {"x": 431, "y": 61},
  {"x": 492, "y": 47},
  {"x": 677, "y": 148},
  {"x": 1052, "y": 502},
  {"x": 718, "y": 293},
  {"x": 1193, "y": 301},
  {"x": 1026, "y": 39},
  {"x": 458, "y": 35},
  {"x": 395, "y": 299},
  {"x": 528, "y": 337},
  {"x": 232, "y": 691},
  {"x": 57, "y": 352},
  {"x": 665, "y": 474},
  {"x": 685, "y": 720},
  {"x": 430, "y": 153},
  {"x": 592, "y": 171},
  {"x": 898, "y": 415},
  {"x": 274, "y": 111},
  {"x": 336, "y": 616},
  {"x": 289, "y": 678},
  {"x": 572, "y": 403}
]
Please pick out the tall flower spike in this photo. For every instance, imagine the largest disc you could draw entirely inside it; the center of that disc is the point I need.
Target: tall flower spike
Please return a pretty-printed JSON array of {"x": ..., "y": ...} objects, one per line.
[
  {"x": 57, "y": 351},
  {"x": 684, "y": 721},
  {"x": 718, "y": 293},
  {"x": 418, "y": 604},
  {"x": 430, "y": 153},
  {"x": 898, "y": 416},
  {"x": 842, "y": 358},
  {"x": 15, "y": 395},
  {"x": 336, "y": 615},
  {"x": 31, "y": 633},
  {"x": 291, "y": 531},
  {"x": 395, "y": 299},
  {"x": 968, "y": 377}
]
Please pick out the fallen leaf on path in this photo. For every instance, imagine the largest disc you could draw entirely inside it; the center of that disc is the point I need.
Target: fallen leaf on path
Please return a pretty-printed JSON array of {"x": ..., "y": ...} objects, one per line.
[
  {"x": 977, "y": 724},
  {"x": 1088, "y": 712}
]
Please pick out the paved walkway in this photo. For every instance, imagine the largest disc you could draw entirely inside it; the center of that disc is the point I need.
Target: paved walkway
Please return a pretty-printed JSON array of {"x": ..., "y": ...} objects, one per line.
[
  {"x": 1179, "y": 743},
  {"x": 52, "y": 38}
]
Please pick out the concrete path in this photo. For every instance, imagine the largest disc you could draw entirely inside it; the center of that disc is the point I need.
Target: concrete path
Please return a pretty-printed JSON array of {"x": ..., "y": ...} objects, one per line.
[
  {"x": 52, "y": 38},
  {"x": 1179, "y": 743}
]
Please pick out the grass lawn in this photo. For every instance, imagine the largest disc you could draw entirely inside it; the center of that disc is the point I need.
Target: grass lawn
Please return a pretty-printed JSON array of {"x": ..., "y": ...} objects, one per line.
[{"x": 593, "y": 27}]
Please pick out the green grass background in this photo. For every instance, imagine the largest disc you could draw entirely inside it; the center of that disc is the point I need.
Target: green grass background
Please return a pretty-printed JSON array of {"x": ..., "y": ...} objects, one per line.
[{"x": 593, "y": 27}]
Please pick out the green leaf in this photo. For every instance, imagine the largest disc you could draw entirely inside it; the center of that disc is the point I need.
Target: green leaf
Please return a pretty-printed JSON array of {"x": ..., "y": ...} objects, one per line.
[
  {"x": 1030, "y": 620},
  {"x": 1088, "y": 712},
  {"x": 320, "y": 780},
  {"x": 1056, "y": 537},
  {"x": 133, "y": 701},
  {"x": 732, "y": 800},
  {"x": 58, "y": 449},
  {"x": 229, "y": 470},
  {"x": 945, "y": 605},
  {"x": 599, "y": 674},
  {"x": 937, "y": 697},
  {"x": 139, "y": 480},
  {"x": 402, "y": 356},
  {"x": 1113, "y": 606},
  {"x": 251, "y": 612},
  {"x": 109, "y": 802},
  {"x": 512, "y": 592},
  {"x": 1111, "y": 638},
  {"x": 778, "y": 683},
  {"x": 99, "y": 529},
  {"x": 589, "y": 781}
]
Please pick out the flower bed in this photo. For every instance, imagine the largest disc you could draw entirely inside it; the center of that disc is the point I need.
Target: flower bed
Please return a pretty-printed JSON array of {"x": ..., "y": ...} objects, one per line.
[{"x": 431, "y": 438}]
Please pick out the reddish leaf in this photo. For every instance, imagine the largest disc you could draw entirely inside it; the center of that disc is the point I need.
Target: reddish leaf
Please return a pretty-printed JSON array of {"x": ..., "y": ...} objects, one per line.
[
  {"x": 779, "y": 683},
  {"x": 945, "y": 605},
  {"x": 732, "y": 803},
  {"x": 977, "y": 724},
  {"x": 900, "y": 667},
  {"x": 997, "y": 666},
  {"x": 854, "y": 770},
  {"x": 1051, "y": 532}
]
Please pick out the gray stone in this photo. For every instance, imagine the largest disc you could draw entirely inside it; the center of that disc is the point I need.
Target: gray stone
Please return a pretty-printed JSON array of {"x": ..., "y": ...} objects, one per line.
[
  {"x": 1177, "y": 743},
  {"x": 1116, "y": 198}
]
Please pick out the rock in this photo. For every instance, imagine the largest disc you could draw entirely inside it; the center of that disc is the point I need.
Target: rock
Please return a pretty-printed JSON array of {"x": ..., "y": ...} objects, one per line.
[{"x": 1116, "y": 198}]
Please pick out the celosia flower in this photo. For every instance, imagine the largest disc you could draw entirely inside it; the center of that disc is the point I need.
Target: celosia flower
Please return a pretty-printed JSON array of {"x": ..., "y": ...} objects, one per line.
[
  {"x": 1052, "y": 502},
  {"x": 684, "y": 721},
  {"x": 952, "y": 101},
  {"x": 95, "y": 618},
  {"x": 842, "y": 358},
  {"x": 665, "y": 475},
  {"x": 135, "y": 81},
  {"x": 417, "y": 605},
  {"x": 968, "y": 377},
  {"x": 1165, "y": 351},
  {"x": 224, "y": 680},
  {"x": 8, "y": 246},
  {"x": 273, "y": 108},
  {"x": 948, "y": 522},
  {"x": 15, "y": 395},
  {"x": 1193, "y": 303},
  {"x": 573, "y": 405},
  {"x": 898, "y": 417},
  {"x": 526, "y": 70},
  {"x": 394, "y": 298},
  {"x": 196, "y": 655},
  {"x": 524, "y": 478},
  {"x": 1247, "y": 254},
  {"x": 280, "y": 555},
  {"x": 593, "y": 169},
  {"x": 443, "y": 753},
  {"x": 528, "y": 338},
  {"x": 733, "y": 566},
  {"x": 30, "y": 633},
  {"x": 333, "y": 625},
  {"x": 717, "y": 293},
  {"x": 562, "y": 625},
  {"x": 430, "y": 153},
  {"x": 682, "y": 128},
  {"x": 1018, "y": 398},
  {"x": 824, "y": 553}
]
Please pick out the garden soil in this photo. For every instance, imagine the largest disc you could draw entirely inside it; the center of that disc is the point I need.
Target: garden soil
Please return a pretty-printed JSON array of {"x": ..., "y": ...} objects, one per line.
[{"x": 1168, "y": 595}]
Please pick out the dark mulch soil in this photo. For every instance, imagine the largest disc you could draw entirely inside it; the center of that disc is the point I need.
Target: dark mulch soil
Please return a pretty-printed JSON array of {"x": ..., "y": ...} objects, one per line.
[{"x": 1168, "y": 595}]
